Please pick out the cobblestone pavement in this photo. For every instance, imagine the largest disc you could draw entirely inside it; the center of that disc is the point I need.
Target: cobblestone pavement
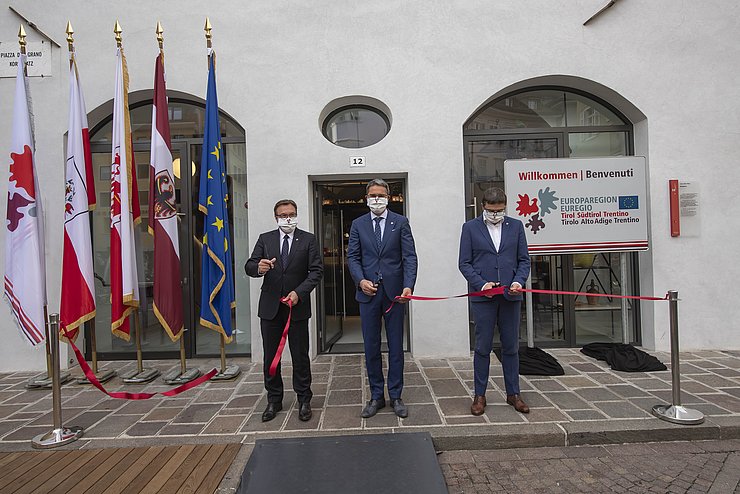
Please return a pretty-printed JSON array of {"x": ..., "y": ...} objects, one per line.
[
  {"x": 676, "y": 467},
  {"x": 590, "y": 397}
]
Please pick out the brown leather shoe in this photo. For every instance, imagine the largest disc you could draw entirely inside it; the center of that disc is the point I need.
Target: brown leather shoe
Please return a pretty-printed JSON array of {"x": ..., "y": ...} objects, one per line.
[
  {"x": 517, "y": 402},
  {"x": 478, "y": 406}
]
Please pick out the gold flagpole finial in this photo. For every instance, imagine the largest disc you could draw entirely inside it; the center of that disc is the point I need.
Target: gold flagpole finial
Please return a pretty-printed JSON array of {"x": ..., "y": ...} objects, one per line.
[
  {"x": 70, "y": 38},
  {"x": 117, "y": 30},
  {"x": 160, "y": 38},
  {"x": 207, "y": 29},
  {"x": 22, "y": 39}
]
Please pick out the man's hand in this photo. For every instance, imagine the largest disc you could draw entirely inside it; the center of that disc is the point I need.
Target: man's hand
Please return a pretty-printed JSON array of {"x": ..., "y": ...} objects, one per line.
[
  {"x": 265, "y": 265},
  {"x": 514, "y": 288},
  {"x": 405, "y": 293},
  {"x": 488, "y": 286},
  {"x": 292, "y": 296},
  {"x": 368, "y": 288}
]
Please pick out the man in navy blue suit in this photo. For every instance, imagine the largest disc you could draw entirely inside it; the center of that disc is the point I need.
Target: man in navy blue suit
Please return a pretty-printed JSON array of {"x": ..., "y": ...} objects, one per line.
[
  {"x": 493, "y": 252},
  {"x": 382, "y": 261}
]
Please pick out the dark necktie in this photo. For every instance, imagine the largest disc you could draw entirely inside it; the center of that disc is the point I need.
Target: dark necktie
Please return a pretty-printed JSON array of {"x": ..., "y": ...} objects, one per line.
[
  {"x": 284, "y": 252},
  {"x": 378, "y": 238}
]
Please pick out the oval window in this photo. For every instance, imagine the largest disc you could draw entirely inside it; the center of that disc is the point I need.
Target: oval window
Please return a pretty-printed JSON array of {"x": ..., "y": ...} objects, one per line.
[{"x": 356, "y": 126}]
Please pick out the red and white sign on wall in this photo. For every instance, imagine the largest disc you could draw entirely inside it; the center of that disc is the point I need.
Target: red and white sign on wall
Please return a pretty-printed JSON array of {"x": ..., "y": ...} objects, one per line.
[{"x": 579, "y": 204}]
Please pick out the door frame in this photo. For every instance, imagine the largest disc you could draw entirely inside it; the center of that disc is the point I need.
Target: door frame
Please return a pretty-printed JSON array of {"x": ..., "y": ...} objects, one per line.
[{"x": 317, "y": 182}]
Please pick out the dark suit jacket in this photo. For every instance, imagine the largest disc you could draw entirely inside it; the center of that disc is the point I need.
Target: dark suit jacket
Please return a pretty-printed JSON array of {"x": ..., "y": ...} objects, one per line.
[
  {"x": 302, "y": 273},
  {"x": 480, "y": 262},
  {"x": 396, "y": 259}
]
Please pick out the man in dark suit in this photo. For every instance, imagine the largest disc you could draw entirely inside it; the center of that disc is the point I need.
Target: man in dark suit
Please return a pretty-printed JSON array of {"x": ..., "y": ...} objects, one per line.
[
  {"x": 493, "y": 252},
  {"x": 382, "y": 261},
  {"x": 289, "y": 261}
]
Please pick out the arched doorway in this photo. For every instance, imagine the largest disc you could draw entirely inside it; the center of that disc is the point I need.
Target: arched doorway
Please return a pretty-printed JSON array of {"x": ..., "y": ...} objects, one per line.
[
  {"x": 556, "y": 122},
  {"x": 187, "y": 117}
]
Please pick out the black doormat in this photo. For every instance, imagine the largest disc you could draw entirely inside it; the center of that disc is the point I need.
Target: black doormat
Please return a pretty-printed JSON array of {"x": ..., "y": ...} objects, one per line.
[{"x": 398, "y": 463}]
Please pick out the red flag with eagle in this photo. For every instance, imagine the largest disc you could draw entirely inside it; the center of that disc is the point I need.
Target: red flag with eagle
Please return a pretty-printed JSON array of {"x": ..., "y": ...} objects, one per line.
[
  {"x": 78, "y": 285},
  {"x": 25, "y": 278},
  {"x": 163, "y": 214},
  {"x": 124, "y": 210}
]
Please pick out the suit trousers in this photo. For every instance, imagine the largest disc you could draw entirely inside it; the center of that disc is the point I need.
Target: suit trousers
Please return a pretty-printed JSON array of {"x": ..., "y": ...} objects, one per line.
[
  {"x": 505, "y": 314},
  {"x": 371, "y": 315},
  {"x": 272, "y": 330}
]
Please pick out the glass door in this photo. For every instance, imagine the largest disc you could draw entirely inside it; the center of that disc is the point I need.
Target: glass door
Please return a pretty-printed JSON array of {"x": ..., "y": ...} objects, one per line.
[
  {"x": 155, "y": 341},
  {"x": 337, "y": 205},
  {"x": 485, "y": 168},
  {"x": 333, "y": 282}
]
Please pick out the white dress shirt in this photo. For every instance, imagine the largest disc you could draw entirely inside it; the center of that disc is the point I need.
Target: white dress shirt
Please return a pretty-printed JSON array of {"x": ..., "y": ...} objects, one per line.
[
  {"x": 495, "y": 232},
  {"x": 384, "y": 216}
]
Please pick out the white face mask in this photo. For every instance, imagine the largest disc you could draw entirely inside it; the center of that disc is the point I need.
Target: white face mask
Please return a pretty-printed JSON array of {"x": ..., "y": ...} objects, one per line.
[
  {"x": 493, "y": 218},
  {"x": 287, "y": 225},
  {"x": 377, "y": 204}
]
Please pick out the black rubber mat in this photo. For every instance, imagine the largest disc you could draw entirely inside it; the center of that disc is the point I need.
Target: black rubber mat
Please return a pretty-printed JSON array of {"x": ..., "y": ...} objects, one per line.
[{"x": 373, "y": 463}]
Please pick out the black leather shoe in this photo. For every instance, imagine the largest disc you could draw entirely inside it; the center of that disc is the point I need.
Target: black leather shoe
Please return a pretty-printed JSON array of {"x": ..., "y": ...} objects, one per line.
[
  {"x": 271, "y": 411},
  {"x": 399, "y": 407},
  {"x": 372, "y": 408},
  {"x": 304, "y": 411}
]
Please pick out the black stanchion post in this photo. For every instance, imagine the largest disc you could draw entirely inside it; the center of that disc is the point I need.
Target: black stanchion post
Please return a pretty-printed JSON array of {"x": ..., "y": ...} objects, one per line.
[
  {"x": 676, "y": 413},
  {"x": 60, "y": 435}
]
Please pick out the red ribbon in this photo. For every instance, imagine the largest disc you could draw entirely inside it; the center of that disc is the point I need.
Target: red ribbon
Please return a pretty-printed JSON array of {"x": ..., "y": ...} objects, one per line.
[
  {"x": 90, "y": 375},
  {"x": 499, "y": 290},
  {"x": 283, "y": 338}
]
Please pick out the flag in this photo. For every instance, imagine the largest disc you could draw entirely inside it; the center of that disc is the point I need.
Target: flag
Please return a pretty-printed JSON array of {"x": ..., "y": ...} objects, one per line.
[
  {"x": 124, "y": 210},
  {"x": 217, "y": 280},
  {"x": 78, "y": 285},
  {"x": 628, "y": 202},
  {"x": 163, "y": 214},
  {"x": 25, "y": 270}
]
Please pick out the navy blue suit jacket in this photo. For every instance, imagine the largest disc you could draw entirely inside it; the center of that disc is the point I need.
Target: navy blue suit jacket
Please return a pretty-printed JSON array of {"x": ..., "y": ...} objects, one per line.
[
  {"x": 396, "y": 259},
  {"x": 480, "y": 262}
]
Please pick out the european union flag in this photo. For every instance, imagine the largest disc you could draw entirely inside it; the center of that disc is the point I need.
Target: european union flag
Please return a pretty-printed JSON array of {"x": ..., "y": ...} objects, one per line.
[
  {"x": 217, "y": 278},
  {"x": 628, "y": 202}
]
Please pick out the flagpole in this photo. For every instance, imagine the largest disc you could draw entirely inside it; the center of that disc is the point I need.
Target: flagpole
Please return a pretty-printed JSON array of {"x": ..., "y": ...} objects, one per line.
[
  {"x": 230, "y": 372},
  {"x": 42, "y": 380},
  {"x": 141, "y": 376},
  {"x": 184, "y": 375},
  {"x": 108, "y": 375}
]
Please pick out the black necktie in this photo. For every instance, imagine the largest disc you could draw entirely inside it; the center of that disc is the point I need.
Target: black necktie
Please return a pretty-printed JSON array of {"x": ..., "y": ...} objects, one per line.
[
  {"x": 284, "y": 252},
  {"x": 378, "y": 238}
]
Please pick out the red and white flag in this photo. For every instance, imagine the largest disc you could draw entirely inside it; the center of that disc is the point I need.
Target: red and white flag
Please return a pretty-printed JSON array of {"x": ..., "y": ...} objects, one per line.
[
  {"x": 78, "y": 287},
  {"x": 25, "y": 271},
  {"x": 124, "y": 210},
  {"x": 163, "y": 214}
]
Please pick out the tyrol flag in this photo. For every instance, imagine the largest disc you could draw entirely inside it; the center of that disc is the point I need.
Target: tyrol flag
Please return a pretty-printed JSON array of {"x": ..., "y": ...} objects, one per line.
[
  {"x": 78, "y": 283},
  {"x": 163, "y": 214},
  {"x": 217, "y": 279},
  {"x": 25, "y": 282},
  {"x": 124, "y": 210}
]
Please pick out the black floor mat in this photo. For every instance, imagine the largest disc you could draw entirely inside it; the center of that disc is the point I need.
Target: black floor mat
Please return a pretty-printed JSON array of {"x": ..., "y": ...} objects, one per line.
[{"x": 398, "y": 463}]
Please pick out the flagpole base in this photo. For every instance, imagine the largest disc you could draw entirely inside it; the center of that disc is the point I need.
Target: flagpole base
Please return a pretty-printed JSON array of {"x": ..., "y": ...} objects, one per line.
[
  {"x": 678, "y": 414},
  {"x": 56, "y": 438},
  {"x": 176, "y": 378},
  {"x": 103, "y": 377},
  {"x": 42, "y": 381},
  {"x": 143, "y": 377},
  {"x": 231, "y": 372}
]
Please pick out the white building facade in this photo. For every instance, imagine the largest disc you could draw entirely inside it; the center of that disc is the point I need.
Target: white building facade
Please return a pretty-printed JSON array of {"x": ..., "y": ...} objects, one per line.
[{"x": 436, "y": 95}]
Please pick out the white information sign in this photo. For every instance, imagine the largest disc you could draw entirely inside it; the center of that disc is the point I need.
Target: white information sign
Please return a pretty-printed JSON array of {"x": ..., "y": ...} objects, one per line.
[
  {"x": 579, "y": 204},
  {"x": 689, "y": 209},
  {"x": 38, "y": 58}
]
